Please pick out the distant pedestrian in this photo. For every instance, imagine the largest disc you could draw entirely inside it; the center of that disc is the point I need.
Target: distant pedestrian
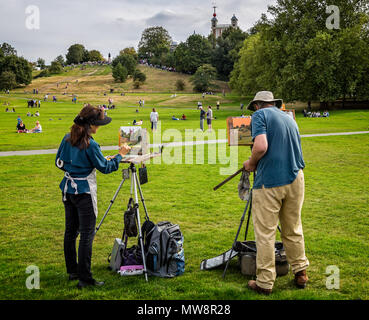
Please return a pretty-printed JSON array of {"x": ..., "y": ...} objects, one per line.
[
  {"x": 209, "y": 117},
  {"x": 154, "y": 118},
  {"x": 202, "y": 118}
]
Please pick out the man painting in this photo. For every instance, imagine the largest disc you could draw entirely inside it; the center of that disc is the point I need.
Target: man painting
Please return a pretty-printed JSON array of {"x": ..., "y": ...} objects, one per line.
[{"x": 278, "y": 191}]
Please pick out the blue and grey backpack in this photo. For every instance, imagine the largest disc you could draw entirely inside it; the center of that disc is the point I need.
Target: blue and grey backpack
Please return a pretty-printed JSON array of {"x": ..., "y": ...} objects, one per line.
[{"x": 164, "y": 250}]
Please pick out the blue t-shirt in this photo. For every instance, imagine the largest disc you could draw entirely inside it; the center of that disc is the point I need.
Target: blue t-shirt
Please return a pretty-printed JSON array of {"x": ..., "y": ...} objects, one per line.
[
  {"x": 283, "y": 159},
  {"x": 80, "y": 163}
]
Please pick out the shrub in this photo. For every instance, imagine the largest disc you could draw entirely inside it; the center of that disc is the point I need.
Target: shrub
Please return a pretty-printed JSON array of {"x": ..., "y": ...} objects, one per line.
[
  {"x": 120, "y": 73},
  {"x": 136, "y": 85},
  {"x": 180, "y": 85},
  {"x": 139, "y": 76}
]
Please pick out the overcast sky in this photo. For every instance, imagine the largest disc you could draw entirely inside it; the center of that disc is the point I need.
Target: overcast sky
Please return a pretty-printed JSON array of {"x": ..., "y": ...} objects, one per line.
[{"x": 111, "y": 25}]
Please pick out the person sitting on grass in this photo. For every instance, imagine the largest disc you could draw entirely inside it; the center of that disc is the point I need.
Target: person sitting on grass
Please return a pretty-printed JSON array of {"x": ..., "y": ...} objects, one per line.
[
  {"x": 184, "y": 117},
  {"x": 174, "y": 118},
  {"x": 37, "y": 128},
  {"x": 21, "y": 127},
  {"x": 37, "y": 114}
]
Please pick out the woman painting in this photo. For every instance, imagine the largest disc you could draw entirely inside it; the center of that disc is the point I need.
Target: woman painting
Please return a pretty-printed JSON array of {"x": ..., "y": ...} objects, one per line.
[{"x": 79, "y": 156}]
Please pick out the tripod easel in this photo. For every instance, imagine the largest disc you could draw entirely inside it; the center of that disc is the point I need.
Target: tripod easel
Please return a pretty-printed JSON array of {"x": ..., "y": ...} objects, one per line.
[
  {"x": 248, "y": 209},
  {"x": 131, "y": 173}
]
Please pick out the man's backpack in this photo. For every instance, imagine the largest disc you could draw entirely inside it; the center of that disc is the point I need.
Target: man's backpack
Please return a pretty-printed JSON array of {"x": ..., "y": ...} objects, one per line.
[{"x": 164, "y": 250}]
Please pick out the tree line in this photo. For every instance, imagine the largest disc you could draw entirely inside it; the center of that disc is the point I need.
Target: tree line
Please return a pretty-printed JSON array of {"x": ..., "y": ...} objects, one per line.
[
  {"x": 206, "y": 58},
  {"x": 298, "y": 56}
]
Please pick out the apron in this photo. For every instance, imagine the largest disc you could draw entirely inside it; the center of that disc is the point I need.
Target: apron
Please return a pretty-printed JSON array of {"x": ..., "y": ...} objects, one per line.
[{"x": 91, "y": 180}]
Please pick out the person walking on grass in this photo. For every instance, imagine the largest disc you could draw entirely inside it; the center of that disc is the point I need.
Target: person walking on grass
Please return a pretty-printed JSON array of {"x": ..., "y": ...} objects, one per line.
[
  {"x": 202, "y": 118},
  {"x": 154, "y": 118},
  {"x": 79, "y": 155},
  {"x": 278, "y": 191},
  {"x": 209, "y": 118}
]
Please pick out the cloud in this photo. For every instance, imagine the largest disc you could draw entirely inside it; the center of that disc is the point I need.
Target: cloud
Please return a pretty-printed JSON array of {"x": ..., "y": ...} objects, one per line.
[{"x": 112, "y": 25}]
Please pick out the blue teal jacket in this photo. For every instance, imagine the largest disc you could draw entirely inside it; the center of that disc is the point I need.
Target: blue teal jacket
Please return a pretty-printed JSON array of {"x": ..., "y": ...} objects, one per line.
[{"x": 80, "y": 163}]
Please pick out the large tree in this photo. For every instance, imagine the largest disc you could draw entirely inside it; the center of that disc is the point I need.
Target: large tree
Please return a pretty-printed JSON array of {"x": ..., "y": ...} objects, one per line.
[
  {"x": 131, "y": 51},
  {"x": 204, "y": 78},
  {"x": 295, "y": 55},
  {"x": 7, "y": 50},
  {"x": 120, "y": 73},
  {"x": 95, "y": 55},
  {"x": 76, "y": 54},
  {"x": 55, "y": 67},
  {"x": 193, "y": 53},
  {"x": 60, "y": 59},
  {"x": 226, "y": 51},
  {"x": 127, "y": 61},
  {"x": 154, "y": 43},
  {"x": 19, "y": 66}
]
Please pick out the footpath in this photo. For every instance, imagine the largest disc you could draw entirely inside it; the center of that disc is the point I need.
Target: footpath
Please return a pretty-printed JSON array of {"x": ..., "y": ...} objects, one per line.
[{"x": 171, "y": 144}]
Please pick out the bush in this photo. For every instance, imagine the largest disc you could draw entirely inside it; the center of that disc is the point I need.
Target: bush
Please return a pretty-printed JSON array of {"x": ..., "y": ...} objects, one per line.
[
  {"x": 139, "y": 76},
  {"x": 43, "y": 73},
  {"x": 136, "y": 85},
  {"x": 56, "y": 67},
  {"x": 180, "y": 85},
  {"x": 120, "y": 73}
]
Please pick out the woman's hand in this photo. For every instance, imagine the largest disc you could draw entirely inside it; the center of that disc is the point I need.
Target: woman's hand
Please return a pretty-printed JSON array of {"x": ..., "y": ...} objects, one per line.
[{"x": 123, "y": 150}]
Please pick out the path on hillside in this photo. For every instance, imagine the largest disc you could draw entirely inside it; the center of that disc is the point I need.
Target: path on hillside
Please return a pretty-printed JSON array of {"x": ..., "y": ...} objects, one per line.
[
  {"x": 68, "y": 79},
  {"x": 171, "y": 144}
]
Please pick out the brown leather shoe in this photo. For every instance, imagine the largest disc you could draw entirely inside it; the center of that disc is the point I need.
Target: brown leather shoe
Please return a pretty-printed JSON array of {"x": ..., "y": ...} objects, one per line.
[
  {"x": 253, "y": 286},
  {"x": 300, "y": 279}
]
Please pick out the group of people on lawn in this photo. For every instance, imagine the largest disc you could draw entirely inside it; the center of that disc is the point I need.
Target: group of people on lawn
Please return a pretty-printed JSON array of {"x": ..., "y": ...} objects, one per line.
[{"x": 21, "y": 127}]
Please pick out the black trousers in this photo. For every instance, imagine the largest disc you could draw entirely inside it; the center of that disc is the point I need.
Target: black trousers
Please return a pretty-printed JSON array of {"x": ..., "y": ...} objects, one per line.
[{"x": 79, "y": 219}]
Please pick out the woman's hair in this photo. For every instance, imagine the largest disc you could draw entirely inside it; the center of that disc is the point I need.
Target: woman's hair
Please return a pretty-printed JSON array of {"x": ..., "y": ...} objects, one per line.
[{"x": 80, "y": 132}]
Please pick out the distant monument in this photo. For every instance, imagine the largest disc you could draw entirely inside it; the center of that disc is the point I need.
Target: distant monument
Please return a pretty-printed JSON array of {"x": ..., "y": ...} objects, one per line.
[{"x": 218, "y": 29}]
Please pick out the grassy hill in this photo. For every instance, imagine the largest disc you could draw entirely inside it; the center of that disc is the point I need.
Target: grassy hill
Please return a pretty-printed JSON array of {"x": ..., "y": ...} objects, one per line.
[{"x": 98, "y": 79}]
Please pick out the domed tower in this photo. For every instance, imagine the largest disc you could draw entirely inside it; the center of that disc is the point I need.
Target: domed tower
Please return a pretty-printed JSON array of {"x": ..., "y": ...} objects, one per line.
[{"x": 234, "y": 21}]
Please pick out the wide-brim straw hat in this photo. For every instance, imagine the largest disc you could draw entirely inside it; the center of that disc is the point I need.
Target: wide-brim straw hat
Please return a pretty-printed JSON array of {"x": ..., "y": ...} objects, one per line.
[{"x": 264, "y": 96}]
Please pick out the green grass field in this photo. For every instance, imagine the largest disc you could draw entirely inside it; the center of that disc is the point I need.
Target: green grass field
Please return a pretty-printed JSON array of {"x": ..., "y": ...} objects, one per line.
[{"x": 335, "y": 212}]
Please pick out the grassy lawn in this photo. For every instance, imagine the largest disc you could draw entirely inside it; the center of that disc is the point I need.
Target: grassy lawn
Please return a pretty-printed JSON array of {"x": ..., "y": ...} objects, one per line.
[
  {"x": 56, "y": 118},
  {"x": 335, "y": 212}
]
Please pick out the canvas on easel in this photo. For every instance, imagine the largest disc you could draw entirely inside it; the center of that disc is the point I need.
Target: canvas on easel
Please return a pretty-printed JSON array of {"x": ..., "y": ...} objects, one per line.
[
  {"x": 239, "y": 131},
  {"x": 136, "y": 139}
]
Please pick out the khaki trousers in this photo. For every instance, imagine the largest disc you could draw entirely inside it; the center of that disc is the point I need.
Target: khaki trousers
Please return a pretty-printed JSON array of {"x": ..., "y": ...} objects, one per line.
[{"x": 268, "y": 206}]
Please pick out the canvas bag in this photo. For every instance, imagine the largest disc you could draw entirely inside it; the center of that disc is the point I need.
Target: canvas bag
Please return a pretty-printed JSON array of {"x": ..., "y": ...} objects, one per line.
[{"x": 247, "y": 258}]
